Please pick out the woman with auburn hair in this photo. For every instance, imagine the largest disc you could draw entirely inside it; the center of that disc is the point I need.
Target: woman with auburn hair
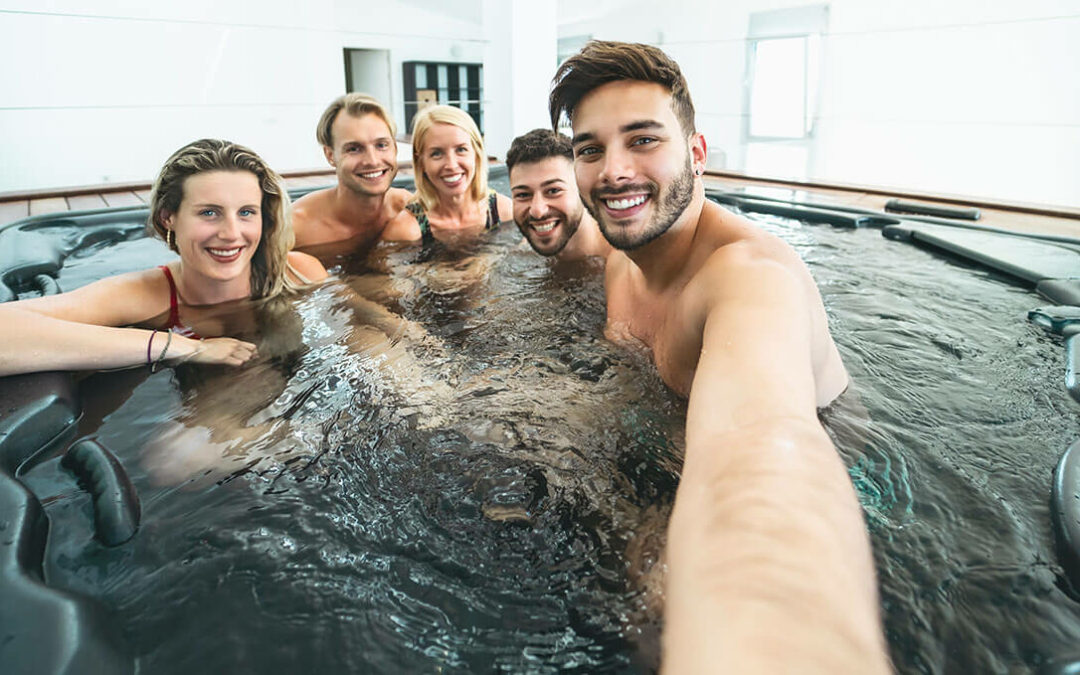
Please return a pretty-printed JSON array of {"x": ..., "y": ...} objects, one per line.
[
  {"x": 452, "y": 196},
  {"x": 226, "y": 213}
]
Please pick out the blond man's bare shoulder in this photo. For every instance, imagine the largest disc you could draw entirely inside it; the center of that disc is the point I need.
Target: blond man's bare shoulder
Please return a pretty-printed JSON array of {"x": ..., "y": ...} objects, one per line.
[
  {"x": 313, "y": 201},
  {"x": 309, "y": 212},
  {"x": 399, "y": 197}
]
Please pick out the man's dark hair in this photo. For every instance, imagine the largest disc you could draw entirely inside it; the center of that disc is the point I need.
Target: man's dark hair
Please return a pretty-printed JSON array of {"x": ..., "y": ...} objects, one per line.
[
  {"x": 538, "y": 145},
  {"x": 600, "y": 62}
]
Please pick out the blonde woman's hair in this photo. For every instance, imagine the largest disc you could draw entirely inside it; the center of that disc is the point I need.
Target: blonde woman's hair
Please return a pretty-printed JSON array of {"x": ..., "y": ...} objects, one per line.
[
  {"x": 354, "y": 104},
  {"x": 269, "y": 264},
  {"x": 422, "y": 124}
]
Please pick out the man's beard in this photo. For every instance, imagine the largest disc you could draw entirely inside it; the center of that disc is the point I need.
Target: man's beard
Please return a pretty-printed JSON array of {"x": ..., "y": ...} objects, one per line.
[
  {"x": 567, "y": 233},
  {"x": 670, "y": 206}
]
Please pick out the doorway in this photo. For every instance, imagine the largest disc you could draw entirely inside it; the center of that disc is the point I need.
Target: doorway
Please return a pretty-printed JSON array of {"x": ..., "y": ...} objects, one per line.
[{"x": 368, "y": 71}]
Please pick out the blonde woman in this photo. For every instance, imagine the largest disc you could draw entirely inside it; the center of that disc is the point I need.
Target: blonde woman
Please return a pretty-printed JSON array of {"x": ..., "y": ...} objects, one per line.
[
  {"x": 452, "y": 197},
  {"x": 225, "y": 212}
]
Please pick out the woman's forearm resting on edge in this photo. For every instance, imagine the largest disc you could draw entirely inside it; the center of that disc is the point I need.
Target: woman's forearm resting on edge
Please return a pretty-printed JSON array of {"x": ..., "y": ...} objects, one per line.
[{"x": 32, "y": 342}]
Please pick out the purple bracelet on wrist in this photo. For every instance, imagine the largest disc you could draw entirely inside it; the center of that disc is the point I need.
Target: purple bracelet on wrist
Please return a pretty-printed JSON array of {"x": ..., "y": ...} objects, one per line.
[
  {"x": 161, "y": 356},
  {"x": 149, "y": 344}
]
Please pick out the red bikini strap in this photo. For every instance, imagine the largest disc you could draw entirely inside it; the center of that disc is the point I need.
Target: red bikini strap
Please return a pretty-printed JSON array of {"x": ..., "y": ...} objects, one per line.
[{"x": 174, "y": 312}]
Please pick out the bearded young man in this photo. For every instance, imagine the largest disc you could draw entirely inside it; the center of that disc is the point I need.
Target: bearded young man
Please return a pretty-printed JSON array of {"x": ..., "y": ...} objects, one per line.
[
  {"x": 769, "y": 561},
  {"x": 547, "y": 207}
]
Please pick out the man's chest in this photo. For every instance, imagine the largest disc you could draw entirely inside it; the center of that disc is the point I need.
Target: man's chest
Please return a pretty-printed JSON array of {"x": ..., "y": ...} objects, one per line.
[{"x": 666, "y": 325}]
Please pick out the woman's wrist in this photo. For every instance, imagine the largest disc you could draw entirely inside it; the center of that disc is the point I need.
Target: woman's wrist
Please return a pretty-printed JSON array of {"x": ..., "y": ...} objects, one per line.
[
  {"x": 164, "y": 346},
  {"x": 184, "y": 348},
  {"x": 157, "y": 348}
]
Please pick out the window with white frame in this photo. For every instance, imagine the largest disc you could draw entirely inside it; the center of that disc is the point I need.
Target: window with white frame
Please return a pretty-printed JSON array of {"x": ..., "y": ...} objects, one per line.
[
  {"x": 782, "y": 83},
  {"x": 783, "y": 88}
]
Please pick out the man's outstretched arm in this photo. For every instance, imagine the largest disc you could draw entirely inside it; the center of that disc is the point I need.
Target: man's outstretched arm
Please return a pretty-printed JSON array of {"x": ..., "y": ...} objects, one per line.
[{"x": 770, "y": 568}]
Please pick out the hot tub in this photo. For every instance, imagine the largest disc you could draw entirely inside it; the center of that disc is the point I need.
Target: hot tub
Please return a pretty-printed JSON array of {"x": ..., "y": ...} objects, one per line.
[{"x": 315, "y": 513}]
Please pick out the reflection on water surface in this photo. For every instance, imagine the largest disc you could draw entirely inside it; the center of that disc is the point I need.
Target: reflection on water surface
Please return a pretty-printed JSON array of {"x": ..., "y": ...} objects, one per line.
[{"x": 493, "y": 494}]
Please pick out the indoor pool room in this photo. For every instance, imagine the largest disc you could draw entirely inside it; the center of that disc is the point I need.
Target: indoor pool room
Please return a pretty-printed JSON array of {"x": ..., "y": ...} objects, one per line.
[{"x": 387, "y": 380}]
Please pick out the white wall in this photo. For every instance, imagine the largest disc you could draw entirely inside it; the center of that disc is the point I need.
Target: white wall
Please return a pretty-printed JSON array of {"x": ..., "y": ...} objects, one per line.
[
  {"x": 983, "y": 100},
  {"x": 104, "y": 91},
  {"x": 975, "y": 97},
  {"x": 966, "y": 96},
  {"x": 521, "y": 58}
]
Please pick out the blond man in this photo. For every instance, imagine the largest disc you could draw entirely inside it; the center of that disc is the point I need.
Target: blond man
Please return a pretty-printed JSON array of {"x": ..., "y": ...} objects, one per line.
[{"x": 357, "y": 136}]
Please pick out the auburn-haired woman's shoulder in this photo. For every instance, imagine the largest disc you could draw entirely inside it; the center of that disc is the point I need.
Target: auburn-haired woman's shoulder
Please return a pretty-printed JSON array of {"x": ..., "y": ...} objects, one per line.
[{"x": 307, "y": 266}]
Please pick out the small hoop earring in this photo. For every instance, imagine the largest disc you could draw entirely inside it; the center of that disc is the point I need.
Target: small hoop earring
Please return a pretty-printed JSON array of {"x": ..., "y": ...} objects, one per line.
[{"x": 698, "y": 172}]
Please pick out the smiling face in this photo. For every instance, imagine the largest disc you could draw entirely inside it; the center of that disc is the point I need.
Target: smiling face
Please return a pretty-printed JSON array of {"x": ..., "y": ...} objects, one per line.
[
  {"x": 633, "y": 162},
  {"x": 448, "y": 159},
  {"x": 364, "y": 153},
  {"x": 547, "y": 208},
  {"x": 218, "y": 226}
]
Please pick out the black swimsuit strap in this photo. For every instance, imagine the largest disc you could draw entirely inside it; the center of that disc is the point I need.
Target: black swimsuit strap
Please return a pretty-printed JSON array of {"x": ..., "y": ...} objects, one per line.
[
  {"x": 493, "y": 210},
  {"x": 417, "y": 209}
]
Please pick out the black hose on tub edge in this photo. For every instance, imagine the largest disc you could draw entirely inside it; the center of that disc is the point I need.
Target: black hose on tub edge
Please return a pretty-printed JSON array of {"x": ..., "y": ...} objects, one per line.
[
  {"x": 116, "y": 504},
  {"x": 1065, "y": 511}
]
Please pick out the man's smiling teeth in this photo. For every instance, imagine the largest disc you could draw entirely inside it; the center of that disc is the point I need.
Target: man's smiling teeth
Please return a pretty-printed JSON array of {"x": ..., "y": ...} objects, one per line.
[
  {"x": 373, "y": 174},
  {"x": 544, "y": 228},
  {"x": 622, "y": 204}
]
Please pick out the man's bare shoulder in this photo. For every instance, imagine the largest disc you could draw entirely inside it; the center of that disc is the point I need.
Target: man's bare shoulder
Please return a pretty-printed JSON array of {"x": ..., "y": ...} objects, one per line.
[
  {"x": 760, "y": 285},
  {"x": 741, "y": 242},
  {"x": 594, "y": 243},
  {"x": 747, "y": 270},
  {"x": 313, "y": 203},
  {"x": 402, "y": 227},
  {"x": 398, "y": 198},
  {"x": 718, "y": 226},
  {"x": 309, "y": 213}
]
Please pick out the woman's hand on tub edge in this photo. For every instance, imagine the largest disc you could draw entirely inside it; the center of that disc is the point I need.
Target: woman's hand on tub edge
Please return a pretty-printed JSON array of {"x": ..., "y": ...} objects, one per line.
[{"x": 222, "y": 350}]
